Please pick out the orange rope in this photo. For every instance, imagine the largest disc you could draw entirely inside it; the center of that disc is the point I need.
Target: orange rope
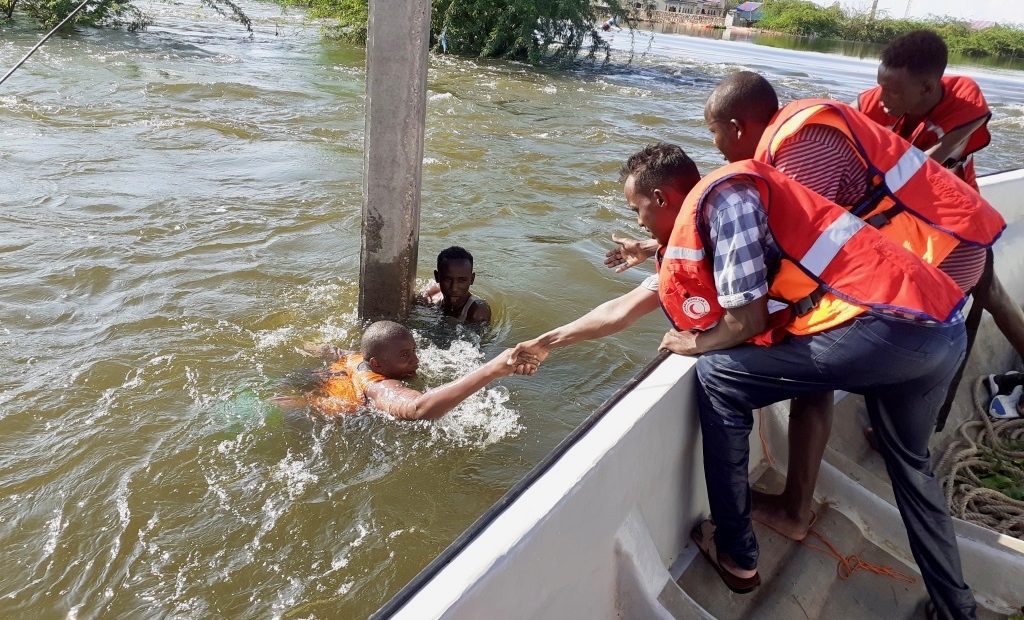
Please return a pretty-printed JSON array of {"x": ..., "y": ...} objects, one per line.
[
  {"x": 847, "y": 565},
  {"x": 764, "y": 442}
]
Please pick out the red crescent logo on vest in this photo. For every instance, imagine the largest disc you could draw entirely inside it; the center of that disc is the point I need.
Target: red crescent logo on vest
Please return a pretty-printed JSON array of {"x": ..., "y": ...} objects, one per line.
[{"x": 696, "y": 307}]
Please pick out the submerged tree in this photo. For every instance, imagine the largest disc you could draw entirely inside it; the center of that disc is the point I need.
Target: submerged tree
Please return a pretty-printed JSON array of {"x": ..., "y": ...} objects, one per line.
[
  {"x": 49, "y": 13},
  {"x": 105, "y": 13},
  {"x": 530, "y": 30}
]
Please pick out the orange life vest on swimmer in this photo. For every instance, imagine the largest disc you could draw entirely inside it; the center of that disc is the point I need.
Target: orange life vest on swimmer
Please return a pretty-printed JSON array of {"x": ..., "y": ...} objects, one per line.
[
  {"x": 834, "y": 267},
  {"x": 962, "y": 103},
  {"x": 344, "y": 391},
  {"x": 908, "y": 196}
]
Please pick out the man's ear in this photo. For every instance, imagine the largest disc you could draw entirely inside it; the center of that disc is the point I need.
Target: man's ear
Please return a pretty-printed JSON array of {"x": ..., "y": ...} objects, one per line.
[
  {"x": 736, "y": 125},
  {"x": 930, "y": 85},
  {"x": 436, "y": 277},
  {"x": 374, "y": 364},
  {"x": 660, "y": 197},
  {"x": 472, "y": 278}
]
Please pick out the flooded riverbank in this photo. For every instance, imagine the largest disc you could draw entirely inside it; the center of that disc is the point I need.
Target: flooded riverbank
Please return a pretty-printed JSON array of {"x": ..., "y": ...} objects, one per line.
[{"x": 181, "y": 209}]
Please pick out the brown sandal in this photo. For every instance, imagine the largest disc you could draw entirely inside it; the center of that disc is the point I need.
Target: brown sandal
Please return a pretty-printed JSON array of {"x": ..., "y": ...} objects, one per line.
[{"x": 703, "y": 535}]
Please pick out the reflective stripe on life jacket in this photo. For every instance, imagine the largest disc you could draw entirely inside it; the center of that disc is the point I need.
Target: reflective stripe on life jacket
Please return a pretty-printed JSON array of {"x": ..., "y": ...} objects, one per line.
[
  {"x": 909, "y": 197},
  {"x": 843, "y": 265},
  {"x": 962, "y": 104}
]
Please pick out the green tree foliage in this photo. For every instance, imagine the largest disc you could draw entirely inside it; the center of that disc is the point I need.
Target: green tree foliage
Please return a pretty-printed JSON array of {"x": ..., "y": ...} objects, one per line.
[
  {"x": 803, "y": 17},
  {"x": 995, "y": 41},
  {"x": 347, "y": 17},
  {"x": 108, "y": 13},
  {"x": 117, "y": 13},
  {"x": 859, "y": 28},
  {"x": 529, "y": 30}
]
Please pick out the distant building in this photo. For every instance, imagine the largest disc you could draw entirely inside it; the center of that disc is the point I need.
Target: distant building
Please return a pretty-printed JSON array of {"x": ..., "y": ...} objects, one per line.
[
  {"x": 709, "y": 8},
  {"x": 748, "y": 13}
]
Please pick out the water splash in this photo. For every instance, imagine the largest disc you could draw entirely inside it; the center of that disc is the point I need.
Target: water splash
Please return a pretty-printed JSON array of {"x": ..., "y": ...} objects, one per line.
[{"x": 482, "y": 419}]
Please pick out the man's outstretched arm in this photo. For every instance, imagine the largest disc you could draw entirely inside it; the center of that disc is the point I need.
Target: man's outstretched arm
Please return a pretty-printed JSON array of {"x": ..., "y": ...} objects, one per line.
[
  {"x": 609, "y": 318},
  {"x": 393, "y": 397}
]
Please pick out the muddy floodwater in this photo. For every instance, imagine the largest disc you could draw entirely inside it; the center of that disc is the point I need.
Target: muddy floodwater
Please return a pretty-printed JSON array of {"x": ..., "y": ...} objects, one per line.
[{"x": 180, "y": 209}]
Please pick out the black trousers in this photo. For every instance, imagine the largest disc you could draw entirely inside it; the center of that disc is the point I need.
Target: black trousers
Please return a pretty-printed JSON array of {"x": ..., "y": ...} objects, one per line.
[{"x": 903, "y": 368}]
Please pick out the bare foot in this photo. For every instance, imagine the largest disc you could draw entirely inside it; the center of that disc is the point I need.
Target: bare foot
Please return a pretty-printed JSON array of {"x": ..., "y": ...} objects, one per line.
[
  {"x": 774, "y": 511},
  {"x": 726, "y": 562}
]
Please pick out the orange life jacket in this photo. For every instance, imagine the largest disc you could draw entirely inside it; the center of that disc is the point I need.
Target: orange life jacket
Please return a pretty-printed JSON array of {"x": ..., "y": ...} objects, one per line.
[
  {"x": 834, "y": 266},
  {"x": 345, "y": 388},
  {"x": 962, "y": 103},
  {"x": 908, "y": 196}
]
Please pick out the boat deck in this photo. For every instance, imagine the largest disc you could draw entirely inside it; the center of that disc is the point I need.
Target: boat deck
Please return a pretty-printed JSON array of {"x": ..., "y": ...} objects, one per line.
[{"x": 800, "y": 580}]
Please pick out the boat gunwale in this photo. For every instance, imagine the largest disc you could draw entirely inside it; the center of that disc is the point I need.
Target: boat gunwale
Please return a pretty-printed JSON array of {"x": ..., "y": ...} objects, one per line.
[{"x": 497, "y": 508}]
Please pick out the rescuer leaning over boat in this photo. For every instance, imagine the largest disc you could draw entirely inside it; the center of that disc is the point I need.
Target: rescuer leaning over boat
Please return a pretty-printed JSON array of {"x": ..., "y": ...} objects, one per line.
[
  {"x": 843, "y": 155},
  {"x": 864, "y": 315},
  {"x": 838, "y": 152}
]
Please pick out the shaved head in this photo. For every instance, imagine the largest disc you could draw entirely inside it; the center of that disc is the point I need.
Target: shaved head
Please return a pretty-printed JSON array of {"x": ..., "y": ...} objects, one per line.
[
  {"x": 738, "y": 112},
  {"x": 380, "y": 337},
  {"x": 745, "y": 96}
]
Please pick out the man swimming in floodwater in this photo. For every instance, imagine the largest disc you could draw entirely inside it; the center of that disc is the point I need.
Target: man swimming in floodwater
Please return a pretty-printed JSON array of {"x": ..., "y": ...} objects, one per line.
[
  {"x": 374, "y": 377},
  {"x": 450, "y": 288}
]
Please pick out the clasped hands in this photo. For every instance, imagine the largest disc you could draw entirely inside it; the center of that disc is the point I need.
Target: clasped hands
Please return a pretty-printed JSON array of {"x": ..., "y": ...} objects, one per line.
[{"x": 527, "y": 356}]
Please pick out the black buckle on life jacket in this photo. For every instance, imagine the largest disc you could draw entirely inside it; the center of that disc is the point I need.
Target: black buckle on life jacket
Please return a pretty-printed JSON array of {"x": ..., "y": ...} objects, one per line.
[
  {"x": 806, "y": 304},
  {"x": 874, "y": 195},
  {"x": 881, "y": 219}
]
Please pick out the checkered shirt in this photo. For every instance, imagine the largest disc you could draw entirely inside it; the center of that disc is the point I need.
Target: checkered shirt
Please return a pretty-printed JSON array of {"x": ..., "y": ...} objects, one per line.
[{"x": 737, "y": 226}]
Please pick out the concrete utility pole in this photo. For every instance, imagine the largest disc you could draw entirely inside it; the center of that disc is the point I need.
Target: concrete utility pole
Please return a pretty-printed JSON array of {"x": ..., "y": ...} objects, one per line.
[
  {"x": 397, "y": 47},
  {"x": 874, "y": 7}
]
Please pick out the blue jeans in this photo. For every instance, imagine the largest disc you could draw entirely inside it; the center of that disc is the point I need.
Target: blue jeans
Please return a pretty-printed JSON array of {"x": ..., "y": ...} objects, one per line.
[{"x": 902, "y": 368}]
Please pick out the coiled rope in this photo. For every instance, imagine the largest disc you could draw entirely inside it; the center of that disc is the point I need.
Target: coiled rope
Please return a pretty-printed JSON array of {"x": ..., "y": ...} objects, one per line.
[
  {"x": 847, "y": 565},
  {"x": 986, "y": 448}
]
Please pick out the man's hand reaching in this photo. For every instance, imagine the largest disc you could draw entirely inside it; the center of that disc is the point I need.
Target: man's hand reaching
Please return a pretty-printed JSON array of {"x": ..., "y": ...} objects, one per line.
[
  {"x": 629, "y": 252},
  {"x": 527, "y": 356}
]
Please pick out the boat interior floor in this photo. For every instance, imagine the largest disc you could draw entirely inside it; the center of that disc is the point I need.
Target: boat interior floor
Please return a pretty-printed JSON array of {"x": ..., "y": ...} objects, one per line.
[{"x": 802, "y": 579}]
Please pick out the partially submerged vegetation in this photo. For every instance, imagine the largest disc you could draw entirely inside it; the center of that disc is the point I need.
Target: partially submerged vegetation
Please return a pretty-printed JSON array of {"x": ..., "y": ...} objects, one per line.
[
  {"x": 540, "y": 30},
  {"x": 527, "y": 30},
  {"x": 109, "y": 13},
  {"x": 803, "y": 17},
  {"x": 113, "y": 13}
]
